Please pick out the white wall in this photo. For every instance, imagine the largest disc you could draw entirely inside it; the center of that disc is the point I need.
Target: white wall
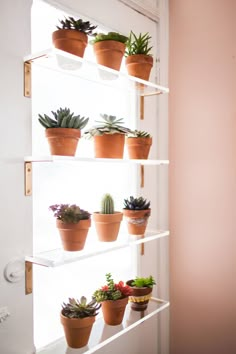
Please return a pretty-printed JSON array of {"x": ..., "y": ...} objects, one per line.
[{"x": 16, "y": 219}]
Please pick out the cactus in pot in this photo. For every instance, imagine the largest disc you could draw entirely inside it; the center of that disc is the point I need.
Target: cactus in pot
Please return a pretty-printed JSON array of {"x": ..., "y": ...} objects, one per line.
[{"x": 107, "y": 220}]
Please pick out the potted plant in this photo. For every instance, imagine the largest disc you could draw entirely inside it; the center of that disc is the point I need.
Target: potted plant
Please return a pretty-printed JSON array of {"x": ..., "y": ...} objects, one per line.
[
  {"x": 107, "y": 221},
  {"x": 63, "y": 131},
  {"x": 109, "y": 137},
  {"x": 114, "y": 298},
  {"x": 77, "y": 318},
  {"x": 72, "y": 35},
  {"x": 139, "y": 61},
  {"x": 136, "y": 212},
  {"x": 141, "y": 292},
  {"x": 138, "y": 144},
  {"x": 109, "y": 49},
  {"x": 73, "y": 224}
]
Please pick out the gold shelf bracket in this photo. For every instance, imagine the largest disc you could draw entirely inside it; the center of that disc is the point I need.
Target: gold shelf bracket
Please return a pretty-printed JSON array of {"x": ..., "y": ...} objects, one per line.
[
  {"x": 142, "y": 96},
  {"x": 28, "y": 179},
  {"x": 27, "y": 74},
  {"x": 28, "y": 278},
  {"x": 27, "y": 78}
]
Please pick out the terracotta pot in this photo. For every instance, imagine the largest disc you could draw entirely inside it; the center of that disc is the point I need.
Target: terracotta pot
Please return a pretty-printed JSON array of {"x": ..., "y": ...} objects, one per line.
[
  {"x": 137, "y": 221},
  {"x": 138, "y": 148},
  {"x": 139, "y": 65},
  {"x": 77, "y": 330},
  {"x": 140, "y": 297},
  {"x": 70, "y": 41},
  {"x": 113, "y": 311},
  {"x": 109, "y": 53},
  {"x": 107, "y": 225},
  {"x": 63, "y": 141},
  {"x": 73, "y": 236},
  {"x": 109, "y": 146}
]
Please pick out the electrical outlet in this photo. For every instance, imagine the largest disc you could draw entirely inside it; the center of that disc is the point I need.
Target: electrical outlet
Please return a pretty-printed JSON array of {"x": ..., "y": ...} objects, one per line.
[{"x": 4, "y": 313}]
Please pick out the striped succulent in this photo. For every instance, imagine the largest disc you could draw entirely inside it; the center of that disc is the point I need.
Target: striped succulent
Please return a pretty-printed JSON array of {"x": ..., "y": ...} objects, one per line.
[
  {"x": 63, "y": 118},
  {"x": 140, "y": 203},
  {"x": 139, "y": 134}
]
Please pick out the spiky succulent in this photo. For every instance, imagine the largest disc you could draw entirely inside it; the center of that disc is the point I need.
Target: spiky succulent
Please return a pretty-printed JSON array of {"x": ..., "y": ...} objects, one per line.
[
  {"x": 140, "y": 203},
  {"x": 138, "y": 44},
  {"x": 77, "y": 25},
  {"x": 63, "y": 118},
  {"x": 80, "y": 308},
  {"x": 140, "y": 282},
  {"x": 109, "y": 125},
  {"x": 69, "y": 213},
  {"x": 107, "y": 204},
  {"x": 114, "y": 36},
  {"x": 139, "y": 134}
]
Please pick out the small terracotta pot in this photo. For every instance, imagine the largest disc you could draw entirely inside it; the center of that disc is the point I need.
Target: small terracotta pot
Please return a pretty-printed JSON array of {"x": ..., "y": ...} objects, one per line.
[
  {"x": 138, "y": 148},
  {"x": 109, "y": 53},
  {"x": 113, "y": 311},
  {"x": 77, "y": 330},
  {"x": 109, "y": 146},
  {"x": 63, "y": 141},
  {"x": 137, "y": 221},
  {"x": 139, "y": 65},
  {"x": 107, "y": 225},
  {"x": 140, "y": 297},
  {"x": 73, "y": 236},
  {"x": 71, "y": 41}
]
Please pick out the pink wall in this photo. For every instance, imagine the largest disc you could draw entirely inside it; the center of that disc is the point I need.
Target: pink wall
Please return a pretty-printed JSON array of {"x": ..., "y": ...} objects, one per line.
[{"x": 203, "y": 176}]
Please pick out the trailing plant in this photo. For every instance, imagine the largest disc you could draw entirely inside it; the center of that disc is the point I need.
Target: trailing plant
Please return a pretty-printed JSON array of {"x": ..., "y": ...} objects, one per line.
[
  {"x": 110, "y": 36},
  {"x": 80, "y": 308},
  {"x": 78, "y": 25},
  {"x": 107, "y": 204},
  {"x": 109, "y": 125},
  {"x": 69, "y": 213},
  {"x": 63, "y": 118},
  {"x": 139, "y": 203},
  {"x": 139, "y": 134},
  {"x": 112, "y": 290},
  {"x": 138, "y": 44},
  {"x": 144, "y": 282}
]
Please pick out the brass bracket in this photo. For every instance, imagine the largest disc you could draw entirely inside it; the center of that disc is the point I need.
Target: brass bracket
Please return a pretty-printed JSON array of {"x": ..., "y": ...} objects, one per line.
[
  {"x": 27, "y": 75},
  {"x": 28, "y": 278},
  {"x": 142, "y": 96},
  {"x": 27, "y": 78},
  {"x": 28, "y": 178},
  {"x": 141, "y": 176}
]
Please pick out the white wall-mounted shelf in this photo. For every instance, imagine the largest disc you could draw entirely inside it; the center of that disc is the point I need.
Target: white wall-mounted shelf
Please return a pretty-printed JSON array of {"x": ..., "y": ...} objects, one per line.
[
  {"x": 58, "y": 257},
  {"x": 103, "y": 334},
  {"x": 69, "y": 64},
  {"x": 56, "y": 158}
]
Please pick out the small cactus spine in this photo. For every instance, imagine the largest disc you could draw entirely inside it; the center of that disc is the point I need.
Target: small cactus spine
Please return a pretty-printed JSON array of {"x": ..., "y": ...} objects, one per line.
[{"x": 107, "y": 204}]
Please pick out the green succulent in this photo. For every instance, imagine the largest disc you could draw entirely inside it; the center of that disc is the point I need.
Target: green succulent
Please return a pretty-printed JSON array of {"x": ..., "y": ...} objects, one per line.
[
  {"x": 140, "y": 203},
  {"x": 144, "y": 282},
  {"x": 107, "y": 204},
  {"x": 63, "y": 118},
  {"x": 77, "y": 25},
  {"x": 112, "y": 291},
  {"x": 114, "y": 36},
  {"x": 109, "y": 125},
  {"x": 139, "y": 134},
  {"x": 138, "y": 44},
  {"x": 69, "y": 213},
  {"x": 80, "y": 308}
]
